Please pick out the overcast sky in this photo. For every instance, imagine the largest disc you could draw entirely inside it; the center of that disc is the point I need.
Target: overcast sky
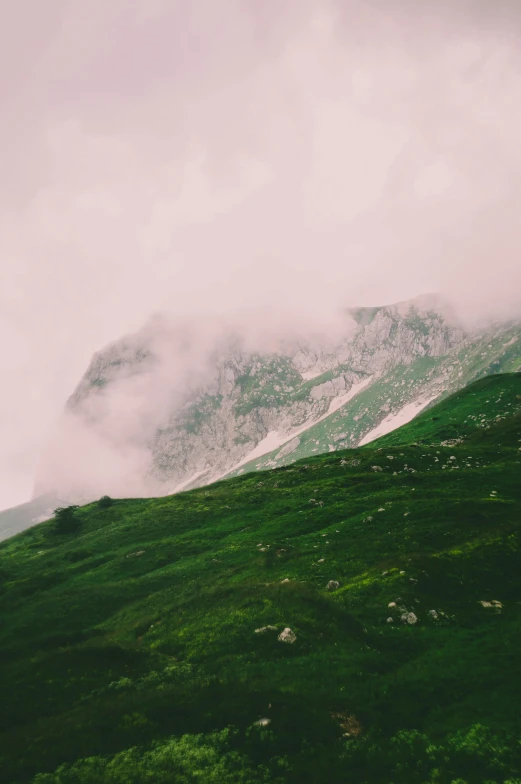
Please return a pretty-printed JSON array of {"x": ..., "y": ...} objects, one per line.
[{"x": 215, "y": 154}]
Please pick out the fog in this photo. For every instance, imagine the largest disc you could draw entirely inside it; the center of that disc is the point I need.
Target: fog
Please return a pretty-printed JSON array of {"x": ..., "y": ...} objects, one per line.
[{"x": 268, "y": 161}]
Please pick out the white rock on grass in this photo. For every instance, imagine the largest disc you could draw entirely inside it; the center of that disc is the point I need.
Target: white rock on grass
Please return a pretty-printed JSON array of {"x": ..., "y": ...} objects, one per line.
[
  {"x": 262, "y": 723},
  {"x": 265, "y": 629},
  {"x": 333, "y": 585},
  {"x": 410, "y": 618},
  {"x": 287, "y": 636},
  {"x": 285, "y": 581},
  {"x": 390, "y": 620},
  {"x": 391, "y": 604},
  {"x": 433, "y": 614}
]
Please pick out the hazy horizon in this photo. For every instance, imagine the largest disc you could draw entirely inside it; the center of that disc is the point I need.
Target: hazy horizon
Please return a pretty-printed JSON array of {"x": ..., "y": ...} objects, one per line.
[{"x": 266, "y": 162}]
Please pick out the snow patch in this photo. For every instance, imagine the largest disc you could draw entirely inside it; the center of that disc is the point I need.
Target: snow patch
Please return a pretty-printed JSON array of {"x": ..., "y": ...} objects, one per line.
[
  {"x": 396, "y": 420},
  {"x": 268, "y": 444},
  {"x": 186, "y": 482},
  {"x": 274, "y": 439},
  {"x": 341, "y": 400}
]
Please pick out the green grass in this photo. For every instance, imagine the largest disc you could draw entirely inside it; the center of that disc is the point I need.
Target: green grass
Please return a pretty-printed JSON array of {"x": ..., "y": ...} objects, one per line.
[
  {"x": 129, "y": 653},
  {"x": 469, "y": 413}
]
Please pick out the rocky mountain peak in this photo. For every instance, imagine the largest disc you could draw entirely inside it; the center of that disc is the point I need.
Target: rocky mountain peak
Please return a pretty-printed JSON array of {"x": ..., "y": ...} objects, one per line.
[{"x": 179, "y": 405}]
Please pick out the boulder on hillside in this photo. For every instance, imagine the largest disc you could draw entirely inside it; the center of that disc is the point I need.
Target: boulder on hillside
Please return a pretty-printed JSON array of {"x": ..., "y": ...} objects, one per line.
[{"x": 287, "y": 636}]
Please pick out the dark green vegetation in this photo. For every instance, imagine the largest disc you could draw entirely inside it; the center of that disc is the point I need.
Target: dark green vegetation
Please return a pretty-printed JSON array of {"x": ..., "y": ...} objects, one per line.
[
  {"x": 467, "y": 414},
  {"x": 128, "y": 646},
  {"x": 66, "y": 521}
]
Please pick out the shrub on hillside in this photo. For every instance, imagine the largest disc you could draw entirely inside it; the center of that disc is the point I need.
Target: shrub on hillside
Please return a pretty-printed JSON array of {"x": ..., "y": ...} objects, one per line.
[{"x": 66, "y": 521}]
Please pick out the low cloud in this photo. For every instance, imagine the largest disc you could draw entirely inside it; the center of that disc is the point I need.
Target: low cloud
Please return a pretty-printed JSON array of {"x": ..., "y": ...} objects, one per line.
[{"x": 266, "y": 162}]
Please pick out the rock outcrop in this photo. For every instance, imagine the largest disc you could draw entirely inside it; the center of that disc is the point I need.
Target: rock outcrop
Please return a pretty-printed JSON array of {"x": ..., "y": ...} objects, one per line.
[{"x": 166, "y": 410}]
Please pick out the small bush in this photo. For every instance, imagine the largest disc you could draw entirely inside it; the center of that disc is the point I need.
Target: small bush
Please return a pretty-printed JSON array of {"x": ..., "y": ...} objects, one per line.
[
  {"x": 66, "y": 521},
  {"x": 105, "y": 501}
]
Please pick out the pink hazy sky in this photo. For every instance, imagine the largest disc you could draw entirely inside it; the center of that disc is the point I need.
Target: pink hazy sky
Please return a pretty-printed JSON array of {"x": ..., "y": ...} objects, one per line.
[{"x": 207, "y": 156}]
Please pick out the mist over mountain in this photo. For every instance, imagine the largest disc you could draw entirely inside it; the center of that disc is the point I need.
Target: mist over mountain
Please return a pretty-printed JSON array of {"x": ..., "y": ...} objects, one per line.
[
  {"x": 181, "y": 404},
  {"x": 260, "y": 511},
  {"x": 310, "y": 155}
]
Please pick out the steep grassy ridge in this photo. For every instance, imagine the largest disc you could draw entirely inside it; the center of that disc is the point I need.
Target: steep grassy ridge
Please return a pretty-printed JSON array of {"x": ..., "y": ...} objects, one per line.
[
  {"x": 469, "y": 413},
  {"x": 129, "y": 649}
]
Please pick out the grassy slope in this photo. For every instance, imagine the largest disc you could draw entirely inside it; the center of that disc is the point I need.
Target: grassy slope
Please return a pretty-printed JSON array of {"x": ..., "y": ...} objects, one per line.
[
  {"x": 141, "y": 626},
  {"x": 467, "y": 413}
]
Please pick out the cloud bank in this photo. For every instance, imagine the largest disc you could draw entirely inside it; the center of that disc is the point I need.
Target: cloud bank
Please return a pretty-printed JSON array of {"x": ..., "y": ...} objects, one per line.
[{"x": 243, "y": 158}]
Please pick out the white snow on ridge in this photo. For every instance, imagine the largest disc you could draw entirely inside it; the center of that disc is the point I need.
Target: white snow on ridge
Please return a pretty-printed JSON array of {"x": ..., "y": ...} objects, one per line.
[
  {"x": 275, "y": 439},
  {"x": 186, "y": 482},
  {"x": 268, "y": 443},
  {"x": 341, "y": 400},
  {"x": 396, "y": 419}
]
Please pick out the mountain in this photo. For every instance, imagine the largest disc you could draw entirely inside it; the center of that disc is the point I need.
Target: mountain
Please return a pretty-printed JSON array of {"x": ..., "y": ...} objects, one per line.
[
  {"x": 20, "y": 517},
  {"x": 355, "y": 616},
  {"x": 171, "y": 408}
]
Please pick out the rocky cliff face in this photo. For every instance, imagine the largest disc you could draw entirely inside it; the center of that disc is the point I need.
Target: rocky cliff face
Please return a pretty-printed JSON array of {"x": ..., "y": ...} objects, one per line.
[{"x": 163, "y": 410}]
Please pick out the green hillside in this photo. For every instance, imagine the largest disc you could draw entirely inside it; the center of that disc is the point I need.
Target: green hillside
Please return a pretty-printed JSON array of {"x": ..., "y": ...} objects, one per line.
[
  {"x": 143, "y": 645},
  {"x": 469, "y": 413}
]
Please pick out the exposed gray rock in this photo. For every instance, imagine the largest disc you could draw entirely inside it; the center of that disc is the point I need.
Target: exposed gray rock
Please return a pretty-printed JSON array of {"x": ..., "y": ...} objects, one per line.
[
  {"x": 196, "y": 411},
  {"x": 329, "y": 388},
  {"x": 287, "y": 636},
  {"x": 333, "y": 585}
]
